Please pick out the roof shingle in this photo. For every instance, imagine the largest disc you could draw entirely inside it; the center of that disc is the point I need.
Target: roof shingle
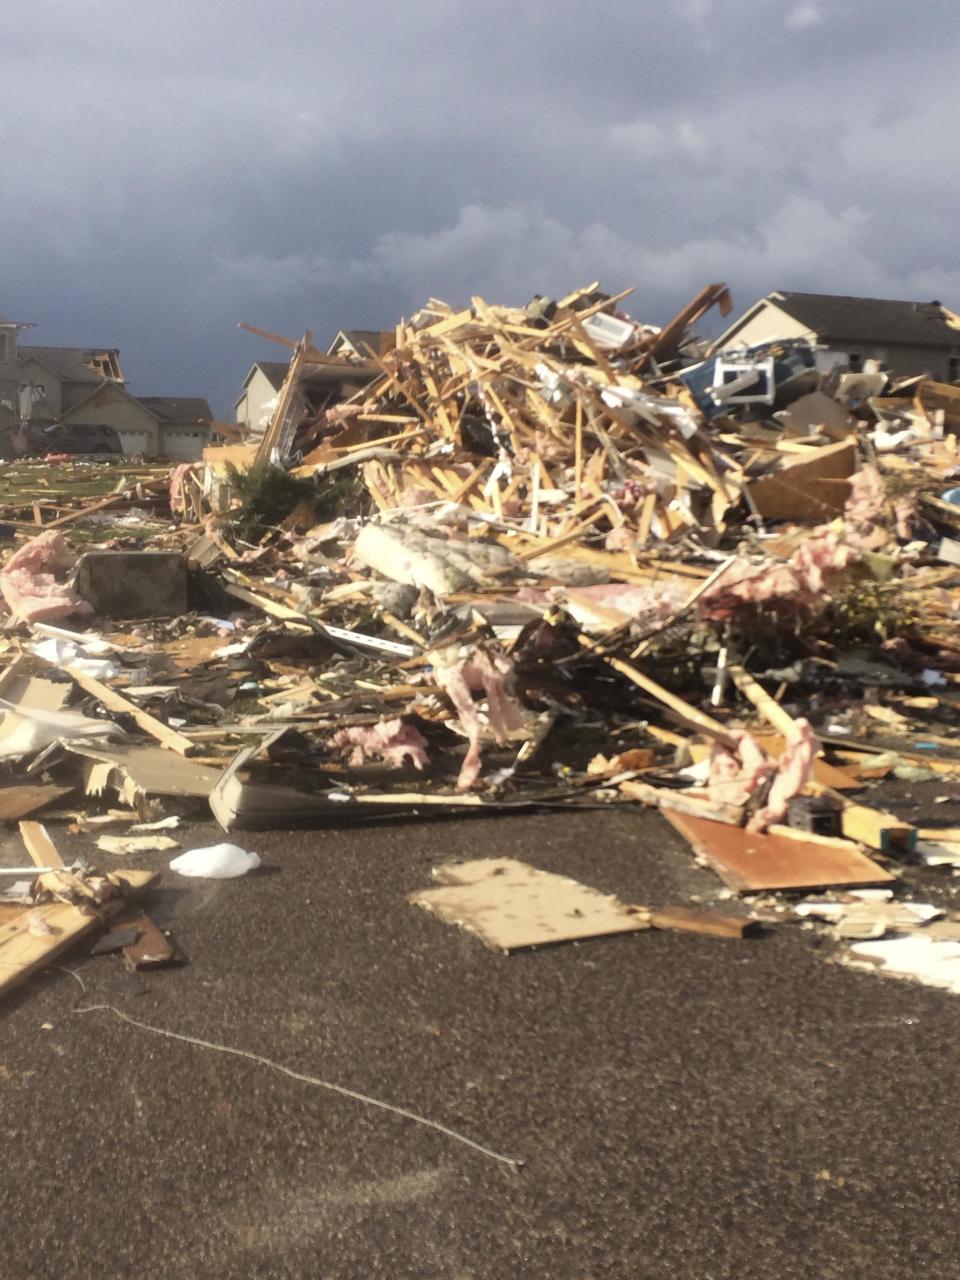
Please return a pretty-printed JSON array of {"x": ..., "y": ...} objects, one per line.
[{"x": 851, "y": 319}]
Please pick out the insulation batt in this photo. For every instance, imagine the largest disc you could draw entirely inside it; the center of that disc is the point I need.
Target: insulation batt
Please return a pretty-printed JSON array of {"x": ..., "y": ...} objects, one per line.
[
  {"x": 867, "y": 503},
  {"x": 390, "y": 740},
  {"x": 177, "y": 480},
  {"x": 780, "y": 583},
  {"x": 735, "y": 775},
  {"x": 492, "y": 675},
  {"x": 793, "y": 773},
  {"x": 31, "y": 580}
]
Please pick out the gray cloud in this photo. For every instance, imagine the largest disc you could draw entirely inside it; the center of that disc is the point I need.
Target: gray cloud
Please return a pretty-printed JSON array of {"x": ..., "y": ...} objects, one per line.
[{"x": 171, "y": 171}]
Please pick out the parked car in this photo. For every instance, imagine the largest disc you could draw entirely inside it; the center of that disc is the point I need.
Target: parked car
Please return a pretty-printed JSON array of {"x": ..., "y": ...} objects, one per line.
[{"x": 77, "y": 438}]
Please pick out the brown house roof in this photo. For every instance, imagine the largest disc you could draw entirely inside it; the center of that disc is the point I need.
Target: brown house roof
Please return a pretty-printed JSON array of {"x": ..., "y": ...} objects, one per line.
[{"x": 849, "y": 319}]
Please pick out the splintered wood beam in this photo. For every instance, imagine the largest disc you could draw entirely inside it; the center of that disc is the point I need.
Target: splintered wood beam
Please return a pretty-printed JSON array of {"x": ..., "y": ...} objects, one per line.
[
  {"x": 671, "y": 333},
  {"x": 290, "y": 343},
  {"x": 769, "y": 708},
  {"x": 690, "y": 713},
  {"x": 33, "y": 939},
  {"x": 115, "y": 701}
]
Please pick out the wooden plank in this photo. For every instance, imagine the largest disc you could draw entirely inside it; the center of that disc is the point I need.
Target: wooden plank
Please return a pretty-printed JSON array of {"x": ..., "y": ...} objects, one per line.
[
  {"x": 511, "y": 905},
  {"x": 712, "y": 923},
  {"x": 689, "y": 713},
  {"x": 877, "y": 829},
  {"x": 43, "y": 853},
  {"x": 114, "y": 701},
  {"x": 39, "y": 845},
  {"x": 768, "y": 707},
  {"x": 21, "y": 801},
  {"x": 681, "y": 802},
  {"x": 115, "y": 500},
  {"x": 749, "y": 862},
  {"x": 24, "y": 953}
]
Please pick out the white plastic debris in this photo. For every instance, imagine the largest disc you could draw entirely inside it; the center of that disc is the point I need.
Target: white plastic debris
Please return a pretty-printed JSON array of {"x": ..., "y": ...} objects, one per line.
[
  {"x": 218, "y": 862},
  {"x": 931, "y": 961},
  {"x": 69, "y": 656},
  {"x": 933, "y": 678},
  {"x": 939, "y": 853},
  {"x": 27, "y": 730}
]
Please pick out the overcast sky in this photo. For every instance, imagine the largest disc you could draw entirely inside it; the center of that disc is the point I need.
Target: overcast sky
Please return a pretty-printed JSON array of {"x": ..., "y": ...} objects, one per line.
[{"x": 171, "y": 169}]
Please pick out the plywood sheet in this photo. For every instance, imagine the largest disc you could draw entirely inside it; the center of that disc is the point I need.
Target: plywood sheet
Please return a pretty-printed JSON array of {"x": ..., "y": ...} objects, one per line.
[
  {"x": 814, "y": 487},
  {"x": 19, "y": 801},
  {"x": 511, "y": 905},
  {"x": 750, "y": 861},
  {"x": 152, "y": 770},
  {"x": 24, "y": 952}
]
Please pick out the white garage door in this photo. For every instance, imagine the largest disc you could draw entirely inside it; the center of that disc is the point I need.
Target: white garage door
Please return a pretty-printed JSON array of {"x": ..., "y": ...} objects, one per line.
[
  {"x": 184, "y": 444},
  {"x": 134, "y": 442}
]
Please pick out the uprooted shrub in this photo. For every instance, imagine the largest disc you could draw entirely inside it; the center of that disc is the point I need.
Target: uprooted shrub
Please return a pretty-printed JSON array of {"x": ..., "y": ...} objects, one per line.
[{"x": 267, "y": 495}]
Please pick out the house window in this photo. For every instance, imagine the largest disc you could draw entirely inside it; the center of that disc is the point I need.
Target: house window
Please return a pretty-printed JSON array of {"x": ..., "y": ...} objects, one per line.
[
  {"x": 855, "y": 361},
  {"x": 6, "y": 348},
  {"x": 954, "y": 369}
]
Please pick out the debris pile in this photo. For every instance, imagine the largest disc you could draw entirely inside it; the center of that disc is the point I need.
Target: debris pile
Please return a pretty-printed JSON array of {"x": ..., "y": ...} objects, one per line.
[{"x": 538, "y": 557}]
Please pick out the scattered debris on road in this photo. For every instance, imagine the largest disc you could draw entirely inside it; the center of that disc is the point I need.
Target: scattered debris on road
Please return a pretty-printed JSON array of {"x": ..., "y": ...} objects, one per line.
[{"x": 541, "y": 557}]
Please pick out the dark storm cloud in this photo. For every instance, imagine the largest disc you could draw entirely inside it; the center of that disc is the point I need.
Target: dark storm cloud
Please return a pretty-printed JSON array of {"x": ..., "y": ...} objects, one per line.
[{"x": 171, "y": 170}]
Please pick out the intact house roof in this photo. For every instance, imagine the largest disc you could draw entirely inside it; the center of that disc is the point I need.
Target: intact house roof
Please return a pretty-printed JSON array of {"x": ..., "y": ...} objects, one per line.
[
  {"x": 180, "y": 411},
  {"x": 77, "y": 364},
  {"x": 842, "y": 318},
  {"x": 275, "y": 371}
]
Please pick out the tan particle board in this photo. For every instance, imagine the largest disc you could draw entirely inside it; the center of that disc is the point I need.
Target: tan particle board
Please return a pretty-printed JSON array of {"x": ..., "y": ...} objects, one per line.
[{"x": 510, "y": 905}]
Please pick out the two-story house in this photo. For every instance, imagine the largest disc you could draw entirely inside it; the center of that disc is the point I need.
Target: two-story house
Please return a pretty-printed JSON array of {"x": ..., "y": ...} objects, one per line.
[{"x": 82, "y": 386}]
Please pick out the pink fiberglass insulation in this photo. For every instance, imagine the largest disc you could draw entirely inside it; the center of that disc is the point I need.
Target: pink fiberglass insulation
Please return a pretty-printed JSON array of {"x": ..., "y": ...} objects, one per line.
[
  {"x": 390, "y": 740},
  {"x": 867, "y": 502},
  {"x": 793, "y": 773},
  {"x": 31, "y": 580},
  {"x": 492, "y": 675},
  {"x": 651, "y": 601},
  {"x": 178, "y": 504},
  {"x": 47, "y": 553},
  {"x": 780, "y": 583},
  {"x": 735, "y": 775}
]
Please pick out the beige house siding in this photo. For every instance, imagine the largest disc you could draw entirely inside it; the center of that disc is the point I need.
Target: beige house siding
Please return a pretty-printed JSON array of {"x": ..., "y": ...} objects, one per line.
[
  {"x": 251, "y": 407},
  {"x": 72, "y": 393},
  {"x": 32, "y": 373},
  {"x": 111, "y": 407},
  {"x": 905, "y": 360},
  {"x": 768, "y": 323}
]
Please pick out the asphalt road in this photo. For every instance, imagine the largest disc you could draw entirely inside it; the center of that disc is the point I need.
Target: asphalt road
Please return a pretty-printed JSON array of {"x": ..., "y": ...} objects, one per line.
[{"x": 686, "y": 1107}]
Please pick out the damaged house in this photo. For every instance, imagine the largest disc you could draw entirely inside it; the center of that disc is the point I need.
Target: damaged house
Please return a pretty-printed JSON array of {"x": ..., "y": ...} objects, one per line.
[
  {"x": 905, "y": 338},
  {"x": 43, "y": 386},
  {"x": 344, "y": 369}
]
